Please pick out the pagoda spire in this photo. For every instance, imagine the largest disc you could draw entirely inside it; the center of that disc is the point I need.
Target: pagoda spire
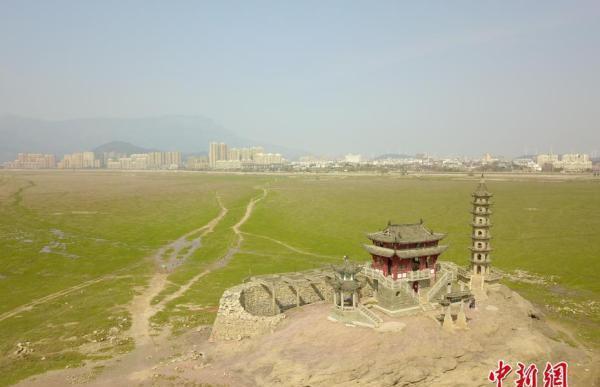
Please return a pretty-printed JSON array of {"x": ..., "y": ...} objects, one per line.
[{"x": 480, "y": 237}]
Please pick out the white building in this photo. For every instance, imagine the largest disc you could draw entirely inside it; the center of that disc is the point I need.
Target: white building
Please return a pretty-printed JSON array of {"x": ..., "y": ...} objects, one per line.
[
  {"x": 547, "y": 159},
  {"x": 570, "y": 162},
  {"x": 268, "y": 158},
  {"x": 576, "y": 162},
  {"x": 353, "y": 158}
]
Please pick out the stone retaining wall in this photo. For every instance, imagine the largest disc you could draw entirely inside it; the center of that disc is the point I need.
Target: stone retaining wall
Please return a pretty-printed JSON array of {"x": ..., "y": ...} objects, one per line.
[{"x": 233, "y": 322}]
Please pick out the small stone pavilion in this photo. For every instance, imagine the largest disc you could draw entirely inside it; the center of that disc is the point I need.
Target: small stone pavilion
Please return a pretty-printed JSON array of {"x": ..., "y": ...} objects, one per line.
[
  {"x": 345, "y": 285},
  {"x": 346, "y": 293}
]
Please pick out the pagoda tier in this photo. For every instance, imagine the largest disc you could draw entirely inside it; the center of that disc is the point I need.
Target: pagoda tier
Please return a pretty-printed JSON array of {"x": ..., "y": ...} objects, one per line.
[
  {"x": 480, "y": 249},
  {"x": 482, "y": 194},
  {"x": 483, "y": 203},
  {"x": 475, "y": 212},
  {"x": 403, "y": 249}
]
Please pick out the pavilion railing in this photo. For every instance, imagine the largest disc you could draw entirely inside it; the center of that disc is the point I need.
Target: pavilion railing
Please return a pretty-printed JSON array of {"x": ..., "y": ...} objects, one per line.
[
  {"x": 466, "y": 274},
  {"x": 400, "y": 282}
]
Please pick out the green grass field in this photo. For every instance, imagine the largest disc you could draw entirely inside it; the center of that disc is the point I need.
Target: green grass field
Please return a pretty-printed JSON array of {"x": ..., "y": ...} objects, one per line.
[{"x": 61, "y": 229}]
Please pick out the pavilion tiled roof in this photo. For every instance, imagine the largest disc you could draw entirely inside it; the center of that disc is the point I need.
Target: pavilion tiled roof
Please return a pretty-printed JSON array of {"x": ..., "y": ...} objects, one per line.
[
  {"x": 347, "y": 267},
  {"x": 405, "y": 233},
  {"x": 346, "y": 286}
]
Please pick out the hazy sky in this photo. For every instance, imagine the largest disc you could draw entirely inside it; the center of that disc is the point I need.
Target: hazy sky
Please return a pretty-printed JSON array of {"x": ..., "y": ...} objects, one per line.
[{"x": 326, "y": 76}]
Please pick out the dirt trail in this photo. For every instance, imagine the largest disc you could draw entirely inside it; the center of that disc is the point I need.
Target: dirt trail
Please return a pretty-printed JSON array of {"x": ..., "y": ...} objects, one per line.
[
  {"x": 61, "y": 293},
  {"x": 136, "y": 365},
  {"x": 18, "y": 195},
  {"x": 176, "y": 246},
  {"x": 150, "y": 345},
  {"x": 289, "y": 247},
  {"x": 223, "y": 261},
  {"x": 141, "y": 307},
  {"x": 184, "y": 244},
  {"x": 240, "y": 237}
]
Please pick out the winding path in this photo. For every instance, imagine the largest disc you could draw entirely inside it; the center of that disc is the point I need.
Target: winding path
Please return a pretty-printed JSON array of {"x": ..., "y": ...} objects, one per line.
[
  {"x": 141, "y": 308},
  {"x": 289, "y": 247},
  {"x": 30, "y": 305},
  {"x": 223, "y": 261},
  {"x": 184, "y": 244},
  {"x": 136, "y": 366}
]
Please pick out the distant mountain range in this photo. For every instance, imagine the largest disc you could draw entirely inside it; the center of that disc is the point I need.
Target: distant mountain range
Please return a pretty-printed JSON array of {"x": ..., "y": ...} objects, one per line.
[
  {"x": 188, "y": 134},
  {"x": 121, "y": 147}
]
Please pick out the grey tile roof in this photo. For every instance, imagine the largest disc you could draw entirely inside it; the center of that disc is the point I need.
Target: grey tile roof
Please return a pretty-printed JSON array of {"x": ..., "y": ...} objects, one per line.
[{"x": 405, "y": 233}]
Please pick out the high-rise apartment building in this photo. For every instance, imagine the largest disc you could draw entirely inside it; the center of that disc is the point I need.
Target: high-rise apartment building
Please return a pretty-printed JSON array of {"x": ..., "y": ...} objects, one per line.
[
  {"x": 546, "y": 159},
  {"x": 213, "y": 154},
  {"x": 152, "y": 160},
  {"x": 246, "y": 155},
  {"x": 576, "y": 162},
  {"x": 255, "y": 151},
  {"x": 33, "y": 161},
  {"x": 88, "y": 160},
  {"x": 234, "y": 154},
  {"x": 223, "y": 151},
  {"x": 172, "y": 160},
  {"x": 80, "y": 160},
  {"x": 155, "y": 160},
  {"x": 217, "y": 152},
  {"x": 197, "y": 163},
  {"x": 222, "y": 157},
  {"x": 268, "y": 158},
  {"x": 571, "y": 162}
]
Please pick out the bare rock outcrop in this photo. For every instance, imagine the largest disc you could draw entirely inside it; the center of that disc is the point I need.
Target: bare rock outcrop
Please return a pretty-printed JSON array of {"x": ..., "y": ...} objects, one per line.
[{"x": 308, "y": 349}]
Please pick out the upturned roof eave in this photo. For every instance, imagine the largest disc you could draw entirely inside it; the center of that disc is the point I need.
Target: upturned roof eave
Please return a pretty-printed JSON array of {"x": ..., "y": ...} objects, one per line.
[
  {"x": 405, "y": 254},
  {"x": 376, "y": 236}
]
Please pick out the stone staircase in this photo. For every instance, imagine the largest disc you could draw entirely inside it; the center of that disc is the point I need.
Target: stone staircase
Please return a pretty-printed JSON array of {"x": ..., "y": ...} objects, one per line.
[
  {"x": 369, "y": 315},
  {"x": 424, "y": 302},
  {"x": 477, "y": 287},
  {"x": 439, "y": 286},
  {"x": 428, "y": 297},
  {"x": 428, "y": 306}
]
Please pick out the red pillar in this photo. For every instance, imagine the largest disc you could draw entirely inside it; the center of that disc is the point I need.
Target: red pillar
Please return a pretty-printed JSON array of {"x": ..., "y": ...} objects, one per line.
[
  {"x": 385, "y": 267},
  {"x": 395, "y": 268}
]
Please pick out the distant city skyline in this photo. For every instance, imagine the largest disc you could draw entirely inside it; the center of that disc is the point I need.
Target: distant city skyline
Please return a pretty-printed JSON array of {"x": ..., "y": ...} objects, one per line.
[{"x": 327, "y": 78}]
